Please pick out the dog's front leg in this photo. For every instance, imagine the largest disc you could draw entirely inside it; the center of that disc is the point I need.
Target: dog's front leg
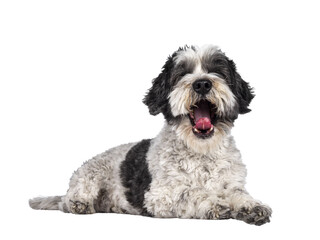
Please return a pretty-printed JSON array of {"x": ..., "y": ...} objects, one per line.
[{"x": 248, "y": 209}]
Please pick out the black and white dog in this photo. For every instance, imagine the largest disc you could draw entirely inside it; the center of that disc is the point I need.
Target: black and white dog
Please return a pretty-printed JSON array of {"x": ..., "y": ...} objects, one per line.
[{"x": 192, "y": 169}]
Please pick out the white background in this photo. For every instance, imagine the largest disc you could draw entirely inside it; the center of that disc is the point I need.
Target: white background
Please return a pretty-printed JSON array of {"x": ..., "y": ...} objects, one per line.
[{"x": 73, "y": 74}]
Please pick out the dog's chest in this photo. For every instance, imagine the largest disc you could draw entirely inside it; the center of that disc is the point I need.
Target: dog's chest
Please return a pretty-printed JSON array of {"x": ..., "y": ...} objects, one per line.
[
  {"x": 178, "y": 168},
  {"x": 197, "y": 172}
]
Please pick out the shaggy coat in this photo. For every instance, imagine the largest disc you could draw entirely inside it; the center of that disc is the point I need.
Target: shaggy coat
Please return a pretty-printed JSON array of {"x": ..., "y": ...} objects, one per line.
[{"x": 192, "y": 169}]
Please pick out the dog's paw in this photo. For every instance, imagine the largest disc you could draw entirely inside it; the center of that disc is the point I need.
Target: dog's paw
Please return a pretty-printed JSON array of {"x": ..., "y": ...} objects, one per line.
[
  {"x": 257, "y": 215},
  {"x": 219, "y": 212},
  {"x": 77, "y": 207}
]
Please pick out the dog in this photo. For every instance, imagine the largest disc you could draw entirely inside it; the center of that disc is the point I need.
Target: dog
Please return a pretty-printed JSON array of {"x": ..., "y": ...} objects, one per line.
[{"x": 192, "y": 169}]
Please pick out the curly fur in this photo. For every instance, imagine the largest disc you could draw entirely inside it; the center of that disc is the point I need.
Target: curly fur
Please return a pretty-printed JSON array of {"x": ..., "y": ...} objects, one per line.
[{"x": 176, "y": 174}]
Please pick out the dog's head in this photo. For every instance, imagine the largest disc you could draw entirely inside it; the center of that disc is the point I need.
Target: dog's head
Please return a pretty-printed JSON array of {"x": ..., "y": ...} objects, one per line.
[{"x": 200, "y": 94}]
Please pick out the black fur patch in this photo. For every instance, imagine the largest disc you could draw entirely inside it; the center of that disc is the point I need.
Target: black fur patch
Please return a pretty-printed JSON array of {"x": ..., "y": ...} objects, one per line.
[
  {"x": 135, "y": 175},
  {"x": 157, "y": 96}
]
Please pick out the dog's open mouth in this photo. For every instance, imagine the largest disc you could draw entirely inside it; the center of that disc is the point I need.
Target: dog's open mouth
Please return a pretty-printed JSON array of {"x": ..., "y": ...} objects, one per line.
[{"x": 202, "y": 117}]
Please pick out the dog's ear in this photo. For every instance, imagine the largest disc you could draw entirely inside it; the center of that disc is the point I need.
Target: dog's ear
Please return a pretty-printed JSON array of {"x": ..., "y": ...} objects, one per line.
[
  {"x": 241, "y": 89},
  {"x": 157, "y": 96}
]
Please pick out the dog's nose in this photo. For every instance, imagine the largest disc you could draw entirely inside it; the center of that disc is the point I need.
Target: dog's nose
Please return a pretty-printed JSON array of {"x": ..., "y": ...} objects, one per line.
[{"x": 202, "y": 86}]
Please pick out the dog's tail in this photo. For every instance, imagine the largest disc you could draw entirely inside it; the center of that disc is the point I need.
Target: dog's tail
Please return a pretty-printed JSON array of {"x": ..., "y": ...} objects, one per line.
[{"x": 48, "y": 203}]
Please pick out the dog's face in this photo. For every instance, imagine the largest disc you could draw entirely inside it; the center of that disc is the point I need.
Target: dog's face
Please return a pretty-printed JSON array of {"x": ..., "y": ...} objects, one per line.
[{"x": 200, "y": 94}]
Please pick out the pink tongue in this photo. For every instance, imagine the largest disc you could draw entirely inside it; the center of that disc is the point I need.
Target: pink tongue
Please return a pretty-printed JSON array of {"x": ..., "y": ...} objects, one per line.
[
  {"x": 202, "y": 116},
  {"x": 203, "y": 124}
]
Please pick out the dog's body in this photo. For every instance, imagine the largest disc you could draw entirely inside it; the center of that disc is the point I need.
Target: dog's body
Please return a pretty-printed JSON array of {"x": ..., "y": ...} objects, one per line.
[{"x": 192, "y": 169}]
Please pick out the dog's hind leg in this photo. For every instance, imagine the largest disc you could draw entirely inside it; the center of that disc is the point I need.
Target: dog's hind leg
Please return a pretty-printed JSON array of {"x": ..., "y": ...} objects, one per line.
[
  {"x": 84, "y": 188},
  {"x": 95, "y": 187}
]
